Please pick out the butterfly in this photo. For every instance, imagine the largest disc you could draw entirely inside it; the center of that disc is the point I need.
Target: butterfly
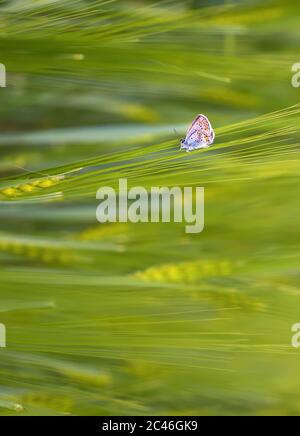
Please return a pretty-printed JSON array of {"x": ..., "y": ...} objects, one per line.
[{"x": 199, "y": 135}]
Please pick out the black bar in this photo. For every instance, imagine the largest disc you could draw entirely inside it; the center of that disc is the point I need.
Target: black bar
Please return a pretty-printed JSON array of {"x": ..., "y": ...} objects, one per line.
[{"x": 103, "y": 425}]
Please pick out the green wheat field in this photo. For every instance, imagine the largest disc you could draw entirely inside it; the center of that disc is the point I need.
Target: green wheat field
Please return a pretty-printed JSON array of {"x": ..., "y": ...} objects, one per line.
[{"x": 144, "y": 319}]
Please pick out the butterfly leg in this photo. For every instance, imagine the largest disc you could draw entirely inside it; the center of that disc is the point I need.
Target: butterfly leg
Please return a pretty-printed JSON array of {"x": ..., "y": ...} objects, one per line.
[{"x": 183, "y": 145}]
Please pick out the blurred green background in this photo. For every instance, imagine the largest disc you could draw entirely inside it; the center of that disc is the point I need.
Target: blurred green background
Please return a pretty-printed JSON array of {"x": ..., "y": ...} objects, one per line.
[{"x": 144, "y": 319}]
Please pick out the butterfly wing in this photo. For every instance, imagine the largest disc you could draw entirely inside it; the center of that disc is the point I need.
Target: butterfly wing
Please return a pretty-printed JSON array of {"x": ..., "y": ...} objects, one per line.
[
  {"x": 203, "y": 126},
  {"x": 199, "y": 135}
]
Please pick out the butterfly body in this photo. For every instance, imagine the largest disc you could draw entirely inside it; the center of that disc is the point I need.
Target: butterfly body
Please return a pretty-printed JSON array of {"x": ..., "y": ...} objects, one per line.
[{"x": 199, "y": 135}]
